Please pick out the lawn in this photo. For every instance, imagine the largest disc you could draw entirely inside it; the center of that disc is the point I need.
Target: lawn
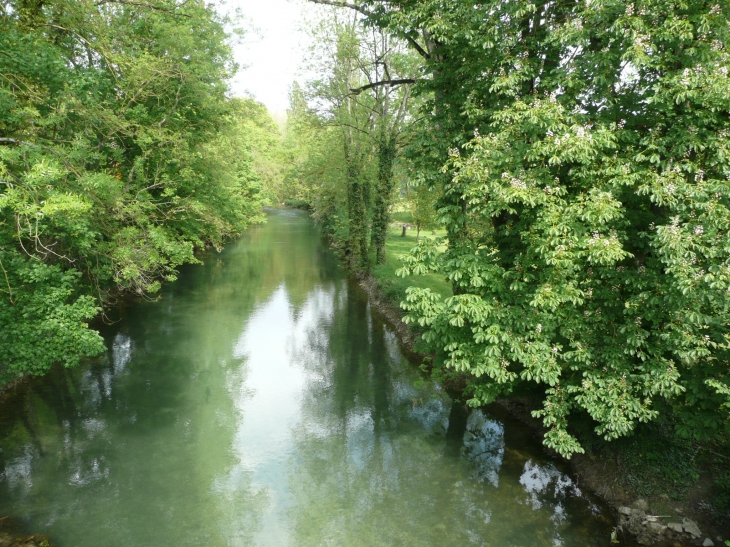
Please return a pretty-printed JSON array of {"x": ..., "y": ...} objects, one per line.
[{"x": 394, "y": 287}]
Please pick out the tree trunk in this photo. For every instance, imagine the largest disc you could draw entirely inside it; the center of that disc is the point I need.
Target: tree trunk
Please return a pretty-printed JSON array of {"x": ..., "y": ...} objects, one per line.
[
  {"x": 357, "y": 238},
  {"x": 384, "y": 191}
]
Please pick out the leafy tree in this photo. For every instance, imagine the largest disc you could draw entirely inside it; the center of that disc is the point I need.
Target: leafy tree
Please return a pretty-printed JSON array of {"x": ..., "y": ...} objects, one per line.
[
  {"x": 422, "y": 204},
  {"x": 363, "y": 91},
  {"x": 580, "y": 149},
  {"x": 119, "y": 155}
]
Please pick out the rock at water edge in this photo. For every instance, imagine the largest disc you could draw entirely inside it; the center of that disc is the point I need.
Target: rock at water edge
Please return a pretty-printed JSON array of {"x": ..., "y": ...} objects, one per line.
[
  {"x": 708, "y": 543},
  {"x": 675, "y": 527},
  {"x": 691, "y": 527}
]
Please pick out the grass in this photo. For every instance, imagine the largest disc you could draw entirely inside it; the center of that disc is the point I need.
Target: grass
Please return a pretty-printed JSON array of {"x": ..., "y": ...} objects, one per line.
[
  {"x": 394, "y": 287},
  {"x": 403, "y": 216}
]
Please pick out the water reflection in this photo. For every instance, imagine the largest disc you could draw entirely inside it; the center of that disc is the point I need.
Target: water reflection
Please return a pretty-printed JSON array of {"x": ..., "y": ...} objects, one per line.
[
  {"x": 380, "y": 459},
  {"x": 262, "y": 402},
  {"x": 484, "y": 446}
]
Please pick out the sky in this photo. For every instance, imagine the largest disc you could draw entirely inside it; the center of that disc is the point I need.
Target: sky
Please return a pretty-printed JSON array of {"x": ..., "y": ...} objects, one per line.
[{"x": 272, "y": 50}]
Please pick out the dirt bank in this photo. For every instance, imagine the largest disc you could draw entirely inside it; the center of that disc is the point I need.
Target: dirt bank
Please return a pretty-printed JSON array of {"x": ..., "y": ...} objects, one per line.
[{"x": 12, "y": 536}]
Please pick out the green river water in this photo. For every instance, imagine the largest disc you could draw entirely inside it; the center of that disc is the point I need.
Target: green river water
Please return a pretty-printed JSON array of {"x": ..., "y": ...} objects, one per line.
[{"x": 262, "y": 402}]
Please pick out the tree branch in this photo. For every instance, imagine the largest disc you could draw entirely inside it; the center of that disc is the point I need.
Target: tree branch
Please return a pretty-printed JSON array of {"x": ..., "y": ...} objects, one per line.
[
  {"x": 139, "y": 5},
  {"x": 422, "y": 52},
  {"x": 341, "y": 4},
  {"x": 7, "y": 140},
  {"x": 359, "y": 90}
]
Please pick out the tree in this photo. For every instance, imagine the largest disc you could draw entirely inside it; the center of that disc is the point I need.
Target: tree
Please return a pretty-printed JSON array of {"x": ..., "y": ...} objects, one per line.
[
  {"x": 422, "y": 204},
  {"x": 363, "y": 90},
  {"x": 581, "y": 150},
  {"x": 117, "y": 147}
]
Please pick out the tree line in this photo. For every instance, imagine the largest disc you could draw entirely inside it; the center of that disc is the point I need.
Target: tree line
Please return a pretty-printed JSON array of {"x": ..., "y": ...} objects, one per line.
[
  {"x": 121, "y": 154},
  {"x": 577, "y": 155}
]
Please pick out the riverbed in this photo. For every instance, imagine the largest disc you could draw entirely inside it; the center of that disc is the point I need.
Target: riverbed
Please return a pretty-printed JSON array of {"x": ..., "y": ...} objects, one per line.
[{"x": 261, "y": 401}]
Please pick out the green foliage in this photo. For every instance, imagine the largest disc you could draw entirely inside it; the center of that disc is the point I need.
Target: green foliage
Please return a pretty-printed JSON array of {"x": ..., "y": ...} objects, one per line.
[
  {"x": 581, "y": 152},
  {"x": 394, "y": 287},
  {"x": 343, "y": 132},
  {"x": 296, "y": 203},
  {"x": 422, "y": 205},
  {"x": 42, "y": 318},
  {"x": 119, "y": 155},
  {"x": 383, "y": 196}
]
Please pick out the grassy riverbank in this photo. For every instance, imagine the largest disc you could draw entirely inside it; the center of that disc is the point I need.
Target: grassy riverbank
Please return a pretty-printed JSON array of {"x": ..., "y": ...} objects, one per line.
[
  {"x": 393, "y": 287},
  {"x": 679, "y": 478}
]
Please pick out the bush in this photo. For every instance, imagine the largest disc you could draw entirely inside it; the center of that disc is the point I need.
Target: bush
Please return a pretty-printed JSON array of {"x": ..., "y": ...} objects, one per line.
[{"x": 298, "y": 204}]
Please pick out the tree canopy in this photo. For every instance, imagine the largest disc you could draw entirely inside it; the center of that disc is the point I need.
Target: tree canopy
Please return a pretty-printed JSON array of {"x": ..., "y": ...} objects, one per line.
[
  {"x": 120, "y": 154},
  {"x": 579, "y": 154}
]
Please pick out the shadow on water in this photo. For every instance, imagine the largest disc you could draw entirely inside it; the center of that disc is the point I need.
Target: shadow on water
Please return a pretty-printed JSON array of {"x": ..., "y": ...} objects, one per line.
[{"x": 261, "y": 402}]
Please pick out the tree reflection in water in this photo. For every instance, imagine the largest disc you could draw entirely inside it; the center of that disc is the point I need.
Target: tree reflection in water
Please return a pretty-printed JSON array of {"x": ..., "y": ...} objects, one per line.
[
  {"x": 380, "y": 459},
  {"x": 262, "y": 402}
]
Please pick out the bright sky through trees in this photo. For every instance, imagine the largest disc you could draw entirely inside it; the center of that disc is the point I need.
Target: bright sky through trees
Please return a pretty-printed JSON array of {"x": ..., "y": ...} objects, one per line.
[{"x": 271, "y": 52}]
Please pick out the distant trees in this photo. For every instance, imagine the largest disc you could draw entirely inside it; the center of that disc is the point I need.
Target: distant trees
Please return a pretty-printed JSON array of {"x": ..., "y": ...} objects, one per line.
[
  {"x": 358, "y": 105},
  {"x": 421, "y": 202},
  {"x": 119, "y": 155}
]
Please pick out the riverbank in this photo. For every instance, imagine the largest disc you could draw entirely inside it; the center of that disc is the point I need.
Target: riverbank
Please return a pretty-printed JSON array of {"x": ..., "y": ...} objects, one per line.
[
  {"x": 665, "y": 491},
  {"x": 11, "y": 536}
]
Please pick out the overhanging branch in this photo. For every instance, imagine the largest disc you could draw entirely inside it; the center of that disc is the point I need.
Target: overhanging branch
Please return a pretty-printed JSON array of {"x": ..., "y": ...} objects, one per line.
[
  {"x": 422, "y": 52},
  {"x": 358, "y": 90},
  {"x": 341, "y": 4},
  {"x": 338, "y": 4}
]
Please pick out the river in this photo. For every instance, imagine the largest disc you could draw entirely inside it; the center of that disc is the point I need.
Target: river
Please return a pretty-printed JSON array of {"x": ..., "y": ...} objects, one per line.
[{"x": 262, "y": 402}]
